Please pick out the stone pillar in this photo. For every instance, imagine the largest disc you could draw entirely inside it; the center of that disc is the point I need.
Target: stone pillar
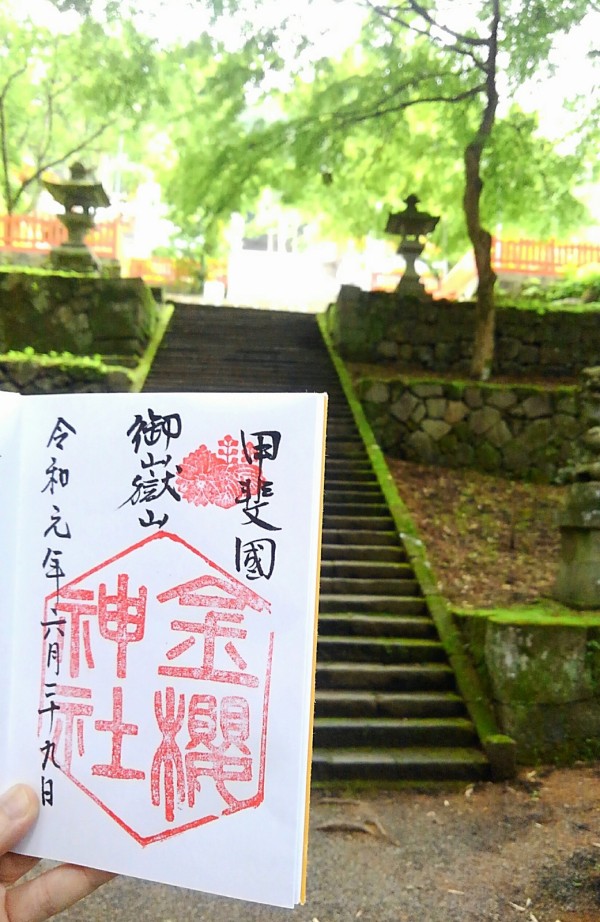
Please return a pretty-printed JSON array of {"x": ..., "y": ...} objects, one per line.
[{"x": 578, "y": 579}]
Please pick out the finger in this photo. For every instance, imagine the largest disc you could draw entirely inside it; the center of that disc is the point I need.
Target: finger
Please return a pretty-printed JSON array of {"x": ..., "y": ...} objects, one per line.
[
  {"x": 14, "y": 866},
  {"x": 18, "y": 810},
  {"x": 51, "y": 892}
]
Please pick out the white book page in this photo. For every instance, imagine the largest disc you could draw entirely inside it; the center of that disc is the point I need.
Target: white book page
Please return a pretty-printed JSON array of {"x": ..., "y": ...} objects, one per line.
[{"x": 164, "y": 634}]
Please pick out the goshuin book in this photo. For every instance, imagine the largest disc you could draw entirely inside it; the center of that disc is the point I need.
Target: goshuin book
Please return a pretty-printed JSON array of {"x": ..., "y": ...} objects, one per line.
[{"x": 160, "y": 567}]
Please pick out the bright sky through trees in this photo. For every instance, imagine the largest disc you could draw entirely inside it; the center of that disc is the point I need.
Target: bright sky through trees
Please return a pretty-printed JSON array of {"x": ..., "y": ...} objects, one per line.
[{"x": 332, "y": 29}]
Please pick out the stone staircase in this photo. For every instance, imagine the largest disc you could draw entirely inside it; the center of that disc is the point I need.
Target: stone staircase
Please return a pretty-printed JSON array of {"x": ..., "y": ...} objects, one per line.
[{"x": 387, "y": 707}]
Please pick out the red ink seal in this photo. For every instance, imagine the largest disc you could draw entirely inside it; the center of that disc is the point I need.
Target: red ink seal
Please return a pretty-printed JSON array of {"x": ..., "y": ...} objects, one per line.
[
  {"x": 208, "y": 478},
  {"x": 160, "y": 705}
]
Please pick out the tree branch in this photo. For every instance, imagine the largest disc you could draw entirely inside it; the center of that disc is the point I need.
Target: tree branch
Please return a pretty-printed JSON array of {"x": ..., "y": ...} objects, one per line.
[
  {"x": 5, "y": 178},
  {"x": 10, "y": 79},
  {"x": 459, "y": 36},
  {"x": 355, "y": 118},
  {"x": 58, "y": 160},
  {"x": 4, "y": 138},
  {"x": 386, "y": 13},
  {"x": 471, "y": 43}
]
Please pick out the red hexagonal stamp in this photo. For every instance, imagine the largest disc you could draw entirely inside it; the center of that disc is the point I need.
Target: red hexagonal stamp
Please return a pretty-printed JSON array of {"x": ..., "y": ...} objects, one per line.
[{"x": 155, "y": 684}]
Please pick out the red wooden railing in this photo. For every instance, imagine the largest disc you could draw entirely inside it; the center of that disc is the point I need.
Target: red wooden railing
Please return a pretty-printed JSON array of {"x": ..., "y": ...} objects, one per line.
[
  {"x": 31, "y": 233},
  {"x": 547, "y": 259},
  {"x": 537, "y": 257},
  {"x": 163, "y": 271}
]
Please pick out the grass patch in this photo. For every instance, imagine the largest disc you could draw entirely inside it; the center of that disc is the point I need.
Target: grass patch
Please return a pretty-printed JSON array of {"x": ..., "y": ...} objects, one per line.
[{"x": 545, "y": 612}]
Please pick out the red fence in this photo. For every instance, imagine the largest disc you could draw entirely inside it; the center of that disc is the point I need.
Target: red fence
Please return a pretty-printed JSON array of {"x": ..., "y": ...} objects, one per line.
[
  {"x": 30, "y": 233},
  {"x": 33, "y": 233},
  {"x": 546, "y": 259},
  {"x": 536, "y": 257},
  {"x": 173, "y": 273}
]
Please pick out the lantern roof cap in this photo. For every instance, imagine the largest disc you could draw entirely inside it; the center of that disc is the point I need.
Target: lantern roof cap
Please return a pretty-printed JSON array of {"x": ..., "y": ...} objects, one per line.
[
  {"x": 411, "y": 222},
  {"x": 81, "y": 190}
]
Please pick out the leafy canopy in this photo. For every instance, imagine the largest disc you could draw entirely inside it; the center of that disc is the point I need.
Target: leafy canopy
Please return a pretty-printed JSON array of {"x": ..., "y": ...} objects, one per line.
[
  {"x": 348, "y": 137},
  {"x": 65, "y": 93}
]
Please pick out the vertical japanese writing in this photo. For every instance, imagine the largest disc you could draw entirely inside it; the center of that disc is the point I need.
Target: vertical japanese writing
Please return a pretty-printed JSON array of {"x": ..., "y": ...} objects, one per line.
[
  {"x": 255, "y": 554},
  {"x": 150, "y": 437},
  {"x": 56, "y": 533}
]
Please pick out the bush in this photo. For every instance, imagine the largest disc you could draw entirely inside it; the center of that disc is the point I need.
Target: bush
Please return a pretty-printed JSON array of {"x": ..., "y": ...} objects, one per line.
[{"x": 579, "y": 285}]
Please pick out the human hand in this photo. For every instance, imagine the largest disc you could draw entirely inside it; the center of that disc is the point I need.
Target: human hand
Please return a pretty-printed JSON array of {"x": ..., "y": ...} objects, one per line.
[{"x": 51, "y": 892}]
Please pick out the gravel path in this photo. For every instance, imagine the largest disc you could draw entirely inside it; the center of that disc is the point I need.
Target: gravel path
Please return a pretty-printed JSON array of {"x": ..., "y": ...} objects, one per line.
[{"x": 528, "y": 851}]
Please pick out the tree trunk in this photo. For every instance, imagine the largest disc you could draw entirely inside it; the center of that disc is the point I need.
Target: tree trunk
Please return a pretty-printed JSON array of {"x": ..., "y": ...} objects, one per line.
[{"x": 485, "y": 312}]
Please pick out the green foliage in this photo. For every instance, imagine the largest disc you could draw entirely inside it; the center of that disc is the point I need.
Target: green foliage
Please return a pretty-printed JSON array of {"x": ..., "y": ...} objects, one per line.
[
  {"x": 60, "y": 359},
  {"x": 530, "y": 186},
  {"x": 37, "y": 270},
  {"x": 345, "y": 139},
  {"x": 578, "y": 291},
  {"x": 213, "y": 167},
  {"x": 64, "y": 94},
  {"x": 544, "y": 612}
]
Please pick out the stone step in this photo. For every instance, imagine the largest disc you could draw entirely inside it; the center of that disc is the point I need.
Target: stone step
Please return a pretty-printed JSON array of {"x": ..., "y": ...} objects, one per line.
[
  {"x": 350, "y": 492},
  {"x": 336, "y": 412},
  {"x": 366, "y": 603},
  {"x": 348, "y": 448},
  {"x": 357, "y": 504},
  {"x": 344, "y": 464},
  {"x": 414, "y": 764},
  {"x": 360, "y": 552},
  {"x": 342, "y": 430},
  {"x": 365, "y": 586},
  {"x": 360, "y": 523},
  {"x": 331, "y": 702},
  {"x": 375, "y": 732},
  {"x": 361, "y": 568},
  {"x": 351, "y": 487},
  {"x": 341, "y": 535},
  {"x": 384, "y": 650},
  {"x": 363, "y": 474},
  {"x": 399, "y": 677},
  {"x": 348, "y": 465},
  {"x": 376, "y": 625},
  {"x": 356, "y": 508}
]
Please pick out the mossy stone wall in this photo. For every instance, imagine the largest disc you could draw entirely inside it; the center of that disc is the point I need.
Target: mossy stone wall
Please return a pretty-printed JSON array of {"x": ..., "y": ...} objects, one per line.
[
  {"x": 375, "y": 326},
  {"x": 84, "y": 315},
  {"x": 543, "y": 677},
  {"x": 525, "y": 432},
  {"x": 35, "y": 377}
]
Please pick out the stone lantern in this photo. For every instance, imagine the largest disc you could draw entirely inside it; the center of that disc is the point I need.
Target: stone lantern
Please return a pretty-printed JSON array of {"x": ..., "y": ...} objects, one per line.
[
  {"x": 81, "y": 196},
  {"x": 412, "y": 225},
  {"x": 578, "y": 578}
]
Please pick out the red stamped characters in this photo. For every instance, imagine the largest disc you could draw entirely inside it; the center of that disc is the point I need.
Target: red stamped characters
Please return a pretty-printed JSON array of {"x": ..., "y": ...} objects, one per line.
[{"x": 178, "y": 738}]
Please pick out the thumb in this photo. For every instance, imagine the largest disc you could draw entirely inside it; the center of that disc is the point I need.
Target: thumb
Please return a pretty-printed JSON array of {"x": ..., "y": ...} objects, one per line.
[{"x": 18, "y": 810}]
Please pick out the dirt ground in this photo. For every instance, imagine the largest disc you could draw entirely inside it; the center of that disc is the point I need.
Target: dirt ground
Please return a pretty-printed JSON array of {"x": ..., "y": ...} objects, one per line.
[
  {"x": 492, "y": 542},
  {"x": 525, "y": 851}
]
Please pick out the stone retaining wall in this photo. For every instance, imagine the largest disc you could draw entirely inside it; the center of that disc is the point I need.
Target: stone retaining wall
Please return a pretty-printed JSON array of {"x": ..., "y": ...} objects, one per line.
[
  {"x": 368, "y": 326},
  {"x": 522, "y": 431},
  {"x": 80, "y": 314},
  {"x": 543, "y": 677},
  {"x": 31, "y": 377}
]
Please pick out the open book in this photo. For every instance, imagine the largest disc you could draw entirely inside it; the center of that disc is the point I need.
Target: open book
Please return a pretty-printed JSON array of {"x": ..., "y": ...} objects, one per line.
[{"x": 160, "y": 565}]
